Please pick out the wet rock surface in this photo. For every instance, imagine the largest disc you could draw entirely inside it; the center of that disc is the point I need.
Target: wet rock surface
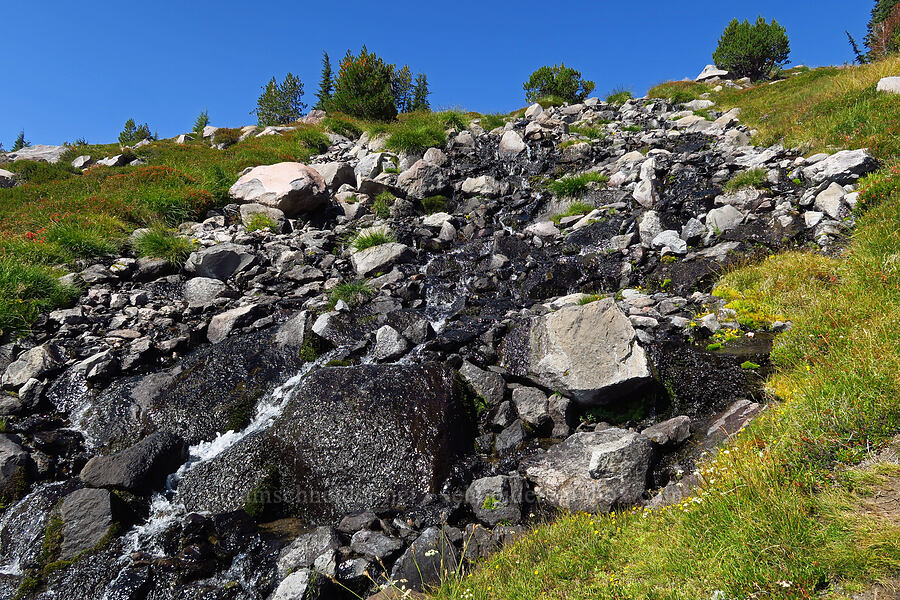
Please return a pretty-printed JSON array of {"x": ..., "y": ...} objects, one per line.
[{"x": 285, "y": 410}]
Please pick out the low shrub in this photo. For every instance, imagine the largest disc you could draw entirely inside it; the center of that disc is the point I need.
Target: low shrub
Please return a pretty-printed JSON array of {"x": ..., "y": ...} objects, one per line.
[
  {"x": 38, "y": 172},
  {"x": 227, "y": 136},
  {"x": 879, "y": 187},
  {"x": 557, "y": 81},
  {"x": 434, "y": 204},
  {"x": 260, "y": 221},
  {"x": 163, "y": 243},
  {"x": 81, "y": 240},
  {"x": 753, "y": 51}
]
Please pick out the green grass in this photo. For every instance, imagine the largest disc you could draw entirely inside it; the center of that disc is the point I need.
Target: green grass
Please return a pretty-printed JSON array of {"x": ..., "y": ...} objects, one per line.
[
  {"x": 679, "y": 92},
  {"x": 594, "y": 133},
  {"x": 353, "y": 293},
  {"x": 618, "y": 97},
  {"x": 551, "y": 101},
  {"x": 575, "y": 208},
  {"x": 752, "y": 178},
  {"x": 824, "y": 109},
  {"x": 260, "y": 221},
  {"x": 575, "y": 186},
  {"x": 370, "y": 239},
  {"x": 343, "y": 126},
  {"x": 418, "y": 131},
  {"x": 381, "y": 206},
  {"x": 26, "y": 291},
  {"x": 434, "y": 204},
  {"x": 778, "y": 513},
  {"x": 227, "y": 136},
  {"x": 493, "y": 121},
  {"x": 163, "y": 243}
]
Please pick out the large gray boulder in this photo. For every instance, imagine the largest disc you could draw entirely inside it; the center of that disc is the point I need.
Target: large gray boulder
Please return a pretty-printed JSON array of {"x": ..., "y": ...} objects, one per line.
[
  {"x": 221, "y": 325},
  {"x": 220, "y": 261},
  {"x": 589, "y": 353},
  {"x": 33, "y": 364},
  {"x": 592, "y": 471},
  {"x": 291, "y": 187},
  {"x": 349, "y": 439},
  {"x": 38, "y": 152},
  {"x": 483, "y": 185},
  {"x": 140, "y": 469},
  {"x": 710, "y": 72},
  {"x": 306, "y": 548},
  {"x": 423, "y": 179},
  {"x": 380, "y": 258},
  {"x": 486, "y": 384},
  {"x": 203, "y": 291},
  {"x": 842, "y": 167}
]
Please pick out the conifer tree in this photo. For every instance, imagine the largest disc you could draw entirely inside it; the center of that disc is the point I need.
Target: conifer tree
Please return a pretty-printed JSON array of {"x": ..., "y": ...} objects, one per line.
[
  {"x": 201, "y": 122},
  {"x": 326, "y": 85},
  {"x": 280, "y": 103},
  {"x": 20, "y": 142},
  {"x": 420, "y": 94}
]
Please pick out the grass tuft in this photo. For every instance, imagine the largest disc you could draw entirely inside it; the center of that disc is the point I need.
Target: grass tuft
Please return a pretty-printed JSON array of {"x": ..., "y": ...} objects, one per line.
[
  {"x": 353, "y": 293},
  {"x": 260, "y": 221},
  {"x": 752, "y": 178},
  {"x": 575, "y": 186},
  {"x": 619, "y": 96},
  {"x": 372, "y": 238},
  {"x": 575, "y": 208},
  {"x": 163, "y": 243}
]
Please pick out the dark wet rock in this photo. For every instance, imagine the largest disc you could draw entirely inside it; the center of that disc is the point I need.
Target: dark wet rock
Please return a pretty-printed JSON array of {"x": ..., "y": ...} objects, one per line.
[
  {"x": 17, "y": 468},
  {"x": 142, "y": 468},
  {"x": 374, "y": 544},
  {"x": 306, "y": 548},
  {"x": 350, "y": 438},
  {"x": 87, "y": 516},
  {"x": 670, "y": 432},
  {"x": 485, "y": 384},
  {"x": 221, "y": 261}
]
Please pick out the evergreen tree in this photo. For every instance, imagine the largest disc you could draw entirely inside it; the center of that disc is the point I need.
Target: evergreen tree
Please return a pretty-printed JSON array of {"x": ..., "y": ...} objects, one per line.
[
  {"x": 859, "y": 56},
  {"x": 20, "y": 142},
  {"x": 325, "y": 85},
  {"x": 201, "y": 122},
  {"x": 420, "y": 94},
  {"x": 280, "y": 103},
  {"x": 883, "y": 36},
  {"x": 558, "y": 81},
  {"x": 133, "y": 133},
  {"x": 365, "y": 87},
  {"x": 401, "y": 88},
  {"x": 752, "y": 50}
]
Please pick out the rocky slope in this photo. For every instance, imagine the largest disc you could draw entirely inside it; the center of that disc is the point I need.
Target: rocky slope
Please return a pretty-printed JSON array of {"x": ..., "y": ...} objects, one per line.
[{"x": 288, "y": 416}]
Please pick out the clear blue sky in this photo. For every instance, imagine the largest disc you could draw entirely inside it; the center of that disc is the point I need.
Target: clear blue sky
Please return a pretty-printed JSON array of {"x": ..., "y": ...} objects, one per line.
[{"x": 74, "y": 69}]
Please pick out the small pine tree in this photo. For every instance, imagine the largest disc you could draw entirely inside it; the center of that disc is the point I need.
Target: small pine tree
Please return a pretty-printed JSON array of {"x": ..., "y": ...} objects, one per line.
[
  {"x": 133, "y": 133},
  {"x": 753, "y": 51},
  {"x": 858, "y": 54},
  {"x": 280, "y": 103},
  {"x": 559, "y": 81},
  {"x": 401, "y": 87},
  {"x": 326, "y": 85},
  {"x": 20, "y": 142},
  {"x": 420, "y": 94},
  {"x": 201, "y": 122}
]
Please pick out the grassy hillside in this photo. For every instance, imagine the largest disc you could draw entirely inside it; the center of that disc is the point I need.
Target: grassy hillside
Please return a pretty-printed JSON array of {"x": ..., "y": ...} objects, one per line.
[
  {"x": 779, "y": 513},
  {"x": 61, "y": 216}
]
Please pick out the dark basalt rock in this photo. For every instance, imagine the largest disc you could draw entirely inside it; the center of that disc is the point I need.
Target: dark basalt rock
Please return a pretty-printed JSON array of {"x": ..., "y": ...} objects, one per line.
[{"x": 349, "y": 439}]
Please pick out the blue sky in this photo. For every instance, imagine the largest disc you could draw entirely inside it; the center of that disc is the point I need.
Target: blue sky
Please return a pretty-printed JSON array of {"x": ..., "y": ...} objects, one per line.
[{"x": 75, "y": 69}]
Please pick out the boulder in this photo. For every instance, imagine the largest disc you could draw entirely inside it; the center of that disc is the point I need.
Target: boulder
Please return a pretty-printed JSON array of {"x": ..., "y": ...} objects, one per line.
[
  {"x": 389, "y": 344},
  {"x": 532, "y": 406},
  {"x": 249, "y": 210},
  {"x": 306, "y": 548},
  {"x": 829, "y": 200},
  {"x": 17, "y": 469},
  {"x": 336, "y": 173},
  {"x": 592, "y": 471},
  {"x": 724, "y": 219},
  {"x": 203, "y": 291},
  {"x": 496, "y": 499},
  {"x": 349, "y": 439},
  {"x": 368, "y": 167},
  {"x": 380, "y": 258},
  {"x": 220, "y": 261},
  {"x": 33, "y": 364},
  {"x": 431, "y": 558},
  {"x": 82, "y": 162},
  {"x": 7, "y": 179},
  {"x": 38, "y": 152},
  {"x": 589, "y": 353},
  {"x": 842, "y": 167},
  {"x": 890, "y": 85},
  {"x": 221, "y": 325},
  {"x": 486, "y": 384},
  {"x": 710, "y": 72},
  {"x": 669, "y": 433},
  {"x": 422, "y": 180},
  {"x": 299, "y": 585},
  {"x": 375, "y": 545},
  {"x": 484, "y": 185},
  {"x": 88, "y": 515},
  {"x": 511, "y": 145},
  {"x": 670, "y": 240},
  {"x": 534, "y": 111},
  {"x": 142, "y": 468},
  {"x": 291, "y": 187}
]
